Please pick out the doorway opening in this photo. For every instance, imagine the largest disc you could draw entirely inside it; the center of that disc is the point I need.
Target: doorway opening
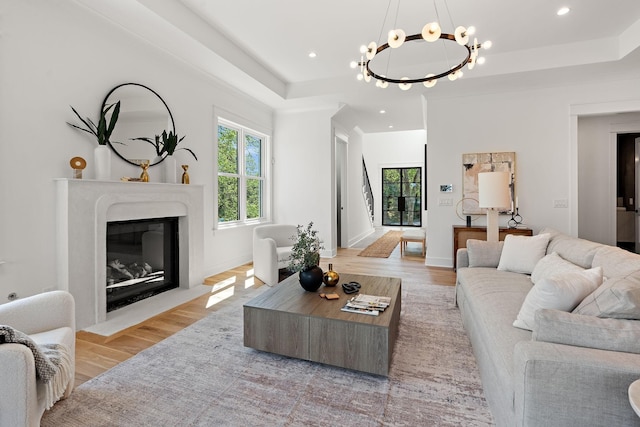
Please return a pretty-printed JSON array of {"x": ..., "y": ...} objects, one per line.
[
  {"x": 627, "y": 189},
  {"x": 402, "y": 196}
]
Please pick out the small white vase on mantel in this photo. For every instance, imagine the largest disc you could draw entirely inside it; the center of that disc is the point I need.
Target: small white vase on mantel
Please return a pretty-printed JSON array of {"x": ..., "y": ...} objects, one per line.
[
  {"x": 102, "y": 160},
  {"x": 170, "y": 171}
]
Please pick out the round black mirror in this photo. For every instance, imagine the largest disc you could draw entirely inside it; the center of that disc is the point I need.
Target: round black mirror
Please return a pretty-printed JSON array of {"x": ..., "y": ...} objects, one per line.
[{"x": 143, "y": 114}]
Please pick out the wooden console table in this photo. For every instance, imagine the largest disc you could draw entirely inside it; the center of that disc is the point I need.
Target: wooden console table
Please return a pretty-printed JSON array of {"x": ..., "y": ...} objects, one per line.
[{"x": 462, "y": 233}]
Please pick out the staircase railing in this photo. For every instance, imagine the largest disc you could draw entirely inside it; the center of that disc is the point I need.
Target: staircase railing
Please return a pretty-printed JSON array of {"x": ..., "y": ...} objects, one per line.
[{"x": 366, "y": 190}]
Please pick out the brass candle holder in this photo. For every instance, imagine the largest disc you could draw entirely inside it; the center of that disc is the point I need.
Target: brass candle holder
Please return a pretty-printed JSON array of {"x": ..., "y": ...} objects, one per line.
[
  {"x": 185, "y": 174},
  {"x": 144, "y": 176},
  {"x": 77, "y": 164}
]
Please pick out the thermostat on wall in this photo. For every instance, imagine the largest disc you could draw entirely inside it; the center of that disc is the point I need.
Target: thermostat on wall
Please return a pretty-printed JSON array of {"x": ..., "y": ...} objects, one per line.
[{"x": 446, "y": 188}]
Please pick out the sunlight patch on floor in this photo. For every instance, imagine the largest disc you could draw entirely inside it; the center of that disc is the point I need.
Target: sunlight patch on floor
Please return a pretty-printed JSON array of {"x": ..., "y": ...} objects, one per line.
[
  {"x": 220, "y": 296},
  {"x": 251, "y": 279},
  {"x": 223, "y": 284},
  {"x": 249, "y": 282}
]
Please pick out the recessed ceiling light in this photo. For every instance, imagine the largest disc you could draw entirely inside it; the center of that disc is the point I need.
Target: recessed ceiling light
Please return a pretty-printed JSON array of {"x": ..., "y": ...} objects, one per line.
[
  {"x": 563, "y": 11},
  {"x": 390, "y": 126},
  {"x": 312, "y": 55},
  {"x": 382, "y": 111}
]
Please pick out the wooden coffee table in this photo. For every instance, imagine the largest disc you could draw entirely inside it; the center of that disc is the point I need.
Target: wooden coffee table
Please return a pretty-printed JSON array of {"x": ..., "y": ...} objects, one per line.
[{"x": 290, "y": 321}]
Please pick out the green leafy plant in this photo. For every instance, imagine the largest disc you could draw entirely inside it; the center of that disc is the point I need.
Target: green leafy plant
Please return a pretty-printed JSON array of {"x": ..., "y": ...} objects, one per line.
[
  {"x": 306, "y": 249},
  {"x": 102, "y": 132},
  {"x": 166, "y": 143},
  {"x": 170, "y": 143}
]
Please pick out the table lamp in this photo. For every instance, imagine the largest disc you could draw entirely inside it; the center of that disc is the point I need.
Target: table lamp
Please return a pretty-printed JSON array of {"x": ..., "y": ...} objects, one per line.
[{"x": 493, "y": 195}]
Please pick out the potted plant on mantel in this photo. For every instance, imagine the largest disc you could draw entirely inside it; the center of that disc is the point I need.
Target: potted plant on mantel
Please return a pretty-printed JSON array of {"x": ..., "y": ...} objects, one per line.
[
  {"x": 305, "y": 257},
  {"x": 165, "y": 145},
  {"x": 102, "y": 132}
]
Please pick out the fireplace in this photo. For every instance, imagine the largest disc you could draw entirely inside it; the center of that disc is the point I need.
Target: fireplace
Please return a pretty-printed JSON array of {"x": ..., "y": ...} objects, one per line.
[
  {"x": 142, "y": 260},
  {"x": 86, "y": 208}
]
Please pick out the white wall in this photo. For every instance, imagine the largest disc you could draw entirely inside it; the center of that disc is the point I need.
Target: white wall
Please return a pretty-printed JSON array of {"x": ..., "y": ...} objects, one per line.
[
  {"x": 304, "y": 177},
  {"x": 392, "y": 150},
  {"x": 54, "y": 54},
  {"x": 537, "y": 125},
  {"x": 360, "y": 225}
]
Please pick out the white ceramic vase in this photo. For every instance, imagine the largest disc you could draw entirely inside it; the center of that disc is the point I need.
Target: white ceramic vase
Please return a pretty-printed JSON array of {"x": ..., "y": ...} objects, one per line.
[
  {"x": 102, "y": 160},
  {"x": 170, "y": 172}
]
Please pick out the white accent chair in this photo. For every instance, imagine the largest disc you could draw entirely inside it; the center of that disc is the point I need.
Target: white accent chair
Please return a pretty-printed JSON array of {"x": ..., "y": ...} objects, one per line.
[
  {"x": 272, "y": 246},
  {"x": 48, "y": 318}
]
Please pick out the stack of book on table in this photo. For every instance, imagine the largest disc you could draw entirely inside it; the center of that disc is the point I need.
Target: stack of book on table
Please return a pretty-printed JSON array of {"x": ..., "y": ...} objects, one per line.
[{"x": 367, "y": 304}]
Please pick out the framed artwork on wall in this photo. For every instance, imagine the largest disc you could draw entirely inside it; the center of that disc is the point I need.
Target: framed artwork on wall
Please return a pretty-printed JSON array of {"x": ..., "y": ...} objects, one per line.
[{"x": 474, "y": 163}]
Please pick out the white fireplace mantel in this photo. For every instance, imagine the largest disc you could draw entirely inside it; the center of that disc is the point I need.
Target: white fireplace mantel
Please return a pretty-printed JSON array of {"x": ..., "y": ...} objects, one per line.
[{"x": 83, "y": 209}]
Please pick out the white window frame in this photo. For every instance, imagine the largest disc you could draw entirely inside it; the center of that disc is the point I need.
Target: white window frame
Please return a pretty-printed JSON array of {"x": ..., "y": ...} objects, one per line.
[{"x": 242, "y": 186}]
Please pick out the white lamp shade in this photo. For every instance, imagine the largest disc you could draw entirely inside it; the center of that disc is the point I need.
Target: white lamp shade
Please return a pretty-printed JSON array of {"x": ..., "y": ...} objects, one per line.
[{"x": 493, "y": 190}]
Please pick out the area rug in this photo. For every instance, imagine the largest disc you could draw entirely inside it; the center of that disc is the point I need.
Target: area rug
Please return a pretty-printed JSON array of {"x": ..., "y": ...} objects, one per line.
[
  {"x": 204, "y": 376},
  {"x": 384, "y": 246}
]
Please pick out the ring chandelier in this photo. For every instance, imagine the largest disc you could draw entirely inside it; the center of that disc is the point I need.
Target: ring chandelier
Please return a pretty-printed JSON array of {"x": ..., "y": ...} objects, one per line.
[{"x": 431, "y": 32}]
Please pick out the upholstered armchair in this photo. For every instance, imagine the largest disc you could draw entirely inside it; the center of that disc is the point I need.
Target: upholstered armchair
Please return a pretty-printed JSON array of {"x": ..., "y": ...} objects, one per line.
[
  {"x": 272, "y": 245},
  {"x": 47, "y": 318}
]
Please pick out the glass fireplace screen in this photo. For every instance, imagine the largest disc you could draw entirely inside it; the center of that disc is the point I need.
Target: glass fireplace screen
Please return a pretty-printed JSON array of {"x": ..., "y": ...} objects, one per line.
[{"x": 142, "y": 259}]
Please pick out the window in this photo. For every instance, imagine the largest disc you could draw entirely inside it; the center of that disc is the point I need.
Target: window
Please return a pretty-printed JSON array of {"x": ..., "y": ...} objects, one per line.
[{"x": 241, "y": 174}]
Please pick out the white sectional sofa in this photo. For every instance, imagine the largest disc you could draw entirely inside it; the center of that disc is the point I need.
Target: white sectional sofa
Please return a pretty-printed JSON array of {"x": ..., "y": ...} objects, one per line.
[{"x": 575, "y": 366}]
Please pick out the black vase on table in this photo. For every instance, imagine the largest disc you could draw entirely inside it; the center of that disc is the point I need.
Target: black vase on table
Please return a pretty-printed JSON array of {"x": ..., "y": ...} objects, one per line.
[{"x": 311, "y": 279}]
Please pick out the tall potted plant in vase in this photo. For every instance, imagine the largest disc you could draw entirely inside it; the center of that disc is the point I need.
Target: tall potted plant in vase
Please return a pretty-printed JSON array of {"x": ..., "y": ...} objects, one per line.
[
  {"x": 102, "y": 132},
  {"x": 170, "y": 143},
  {"x": 305, "y": 257},
  {"x": 166, "y": 145}
]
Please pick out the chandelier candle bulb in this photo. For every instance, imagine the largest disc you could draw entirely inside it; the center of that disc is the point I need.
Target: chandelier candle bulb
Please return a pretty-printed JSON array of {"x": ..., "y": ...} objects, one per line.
[
  {"x": 431, "y": 32},
  {"x": 396, "y": 38}
]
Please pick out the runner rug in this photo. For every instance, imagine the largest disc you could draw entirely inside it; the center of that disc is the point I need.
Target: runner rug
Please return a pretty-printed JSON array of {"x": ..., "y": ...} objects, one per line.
[
  {"x": 204, "y": 376},
  {"x": 384, "y": 246}
]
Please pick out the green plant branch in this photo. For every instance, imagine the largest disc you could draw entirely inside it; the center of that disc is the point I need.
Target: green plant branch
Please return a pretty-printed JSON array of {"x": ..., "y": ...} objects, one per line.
[
  {"x": 306, "y": 249},
  {"x": 102, "y": 132},
  {"x": 168, "y": 144}
]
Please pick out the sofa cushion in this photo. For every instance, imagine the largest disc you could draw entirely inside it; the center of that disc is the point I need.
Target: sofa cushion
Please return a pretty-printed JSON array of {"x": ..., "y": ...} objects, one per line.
[
  {"x": 63, "y": 335},
  {"x": 520, "y": 254},
  {"x": 577, "y": 251},
  {"x": 552, "y": 264},
  {"x": 587, "y": 331},
  {"x": 563, "y": 291},
  {"x": 616, "y": 262},
  {"x": 618, "y": 297},
  {"x": 490, "y": 299},
  {"x": 284, "y": 253},
  {"x": 484, "y": 254}
]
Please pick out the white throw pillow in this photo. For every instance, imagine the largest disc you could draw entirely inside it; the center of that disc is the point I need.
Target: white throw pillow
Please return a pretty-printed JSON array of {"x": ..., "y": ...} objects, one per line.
[
  {"x": 618, "y": 298},
  {"x": 563, "y": 291},
  {"x": 520, "y": 254},
  {"x": 552, "y": 264}
]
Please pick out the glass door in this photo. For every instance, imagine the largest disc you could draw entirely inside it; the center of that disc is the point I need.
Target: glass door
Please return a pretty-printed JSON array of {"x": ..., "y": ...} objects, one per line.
[{"x": 401, "y": 196}]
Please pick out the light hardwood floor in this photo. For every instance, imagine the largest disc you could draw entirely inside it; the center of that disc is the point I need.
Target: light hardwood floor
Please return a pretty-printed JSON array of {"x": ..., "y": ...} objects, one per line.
[{"x": 96, "y": 354}]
